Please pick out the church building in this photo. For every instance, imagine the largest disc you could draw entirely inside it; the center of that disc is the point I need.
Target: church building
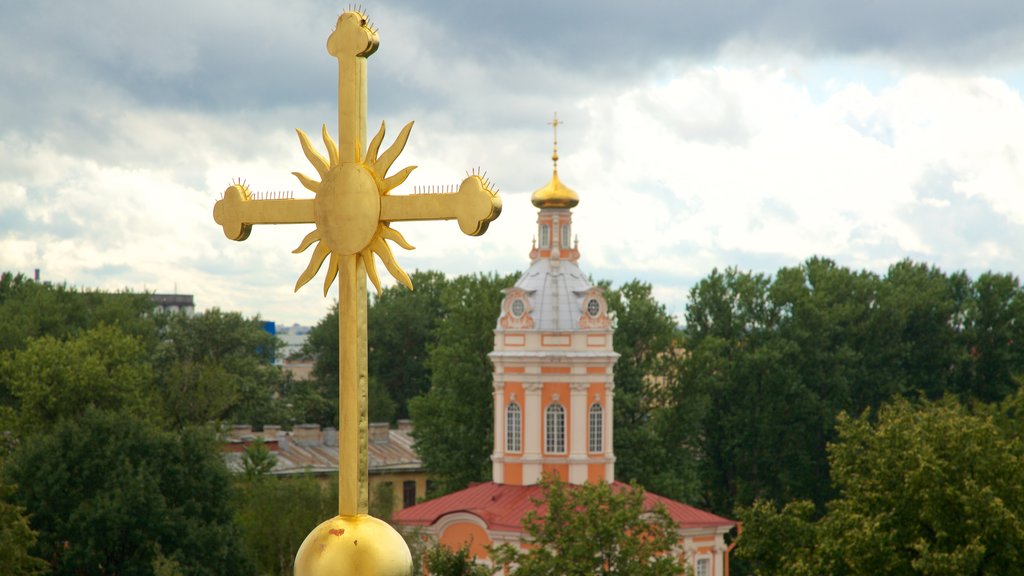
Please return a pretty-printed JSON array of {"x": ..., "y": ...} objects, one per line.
[{"x": 553, "y": 403}]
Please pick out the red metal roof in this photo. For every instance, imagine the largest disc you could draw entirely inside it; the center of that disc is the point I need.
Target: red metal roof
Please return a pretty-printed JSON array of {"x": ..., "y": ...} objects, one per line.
[{"x": 502, "y": 507}]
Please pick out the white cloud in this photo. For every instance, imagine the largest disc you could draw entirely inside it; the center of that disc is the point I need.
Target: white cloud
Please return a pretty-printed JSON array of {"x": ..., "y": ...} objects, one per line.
[
  {"x": 12, "y": 195},
  {"x": 804, "y": 177}
]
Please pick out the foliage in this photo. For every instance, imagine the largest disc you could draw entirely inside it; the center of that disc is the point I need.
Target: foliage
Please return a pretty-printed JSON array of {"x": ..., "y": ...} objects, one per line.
[
  {"x": 654, "y": 433},
  {"x": 17, "y": 539},
  {"x": 216, "y": 365},
  {"x": 302, "y": 401},
  {"x": 108, "y": 493},
  {"x": 319, "y": 399},
  {"x": 257, "y": 460},
  {"x": 53, "y": 379},
  {"x": 31, "y": 310},
  {"x": 382, "y": 501},
  {"x": 594, "y": 529},
  {"x": 927, "y": 488},
  {"x": 322, "y": 346},
  {"x": 400, "y": 327},
  {"x": 777, "y": 541},
  {"x": 107, "y": 349},
  {"x": 276, "y": 514},
  {"x": 401, "y": 324},
  {"x": 418, "y": 544},
  {"x": 776, "y": 360},
  {"x": 443, "y": 561},
  {"x": 164, "y": 566},
  {"x": 454, "y": 420}
]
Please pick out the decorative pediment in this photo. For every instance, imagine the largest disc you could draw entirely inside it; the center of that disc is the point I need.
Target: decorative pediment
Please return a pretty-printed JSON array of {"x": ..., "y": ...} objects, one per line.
[
  {"x": 594, "y": 310},
  {"x": 516, "y": 310}
]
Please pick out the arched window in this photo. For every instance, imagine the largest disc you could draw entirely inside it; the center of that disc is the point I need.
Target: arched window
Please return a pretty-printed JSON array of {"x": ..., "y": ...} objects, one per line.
[
  {"x": 554, "y": 429},
  {"x": 513, "y": 430},
  {"x": 596, "y": 428}
]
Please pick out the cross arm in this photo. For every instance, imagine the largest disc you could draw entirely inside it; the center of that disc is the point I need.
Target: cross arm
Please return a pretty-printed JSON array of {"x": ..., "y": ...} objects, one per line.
[
  {"x": 474, "y": 205},
  {"x": 237, "y": 211}
]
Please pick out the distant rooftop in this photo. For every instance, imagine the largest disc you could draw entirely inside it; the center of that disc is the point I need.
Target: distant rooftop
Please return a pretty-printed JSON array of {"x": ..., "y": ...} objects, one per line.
[
  {"x": 174, "y": 302},
  {"x": 308, "y": 449}
]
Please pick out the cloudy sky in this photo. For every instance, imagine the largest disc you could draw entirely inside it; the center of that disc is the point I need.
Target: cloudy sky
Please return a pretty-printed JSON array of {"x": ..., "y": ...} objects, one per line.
[{"x": 697, "y": 135}]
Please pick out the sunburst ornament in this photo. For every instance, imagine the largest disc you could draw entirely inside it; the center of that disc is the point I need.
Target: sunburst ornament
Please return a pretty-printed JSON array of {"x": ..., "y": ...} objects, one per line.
[{"x": 347, "y": 208}]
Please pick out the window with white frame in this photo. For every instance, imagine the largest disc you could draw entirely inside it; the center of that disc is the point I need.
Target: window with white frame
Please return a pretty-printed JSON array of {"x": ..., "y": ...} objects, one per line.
[
  {"x": 703, "y": 567},
  {"x": 565, "y": 236},
  {"x": 513, "y": 430},
  {"x": 554, "y": 429},
  {"x": 596, "y": 428},
  {"x": 545, "y": 239}
]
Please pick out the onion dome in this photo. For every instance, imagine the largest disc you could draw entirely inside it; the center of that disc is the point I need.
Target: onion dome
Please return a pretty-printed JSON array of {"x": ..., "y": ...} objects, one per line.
[{"x": 555, "y": 194}]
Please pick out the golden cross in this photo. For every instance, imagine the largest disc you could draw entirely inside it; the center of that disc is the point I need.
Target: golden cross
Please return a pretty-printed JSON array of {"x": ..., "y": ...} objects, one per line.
[
  {"x": 353, "y": 211},
  {"x": 554, "y": 123}
]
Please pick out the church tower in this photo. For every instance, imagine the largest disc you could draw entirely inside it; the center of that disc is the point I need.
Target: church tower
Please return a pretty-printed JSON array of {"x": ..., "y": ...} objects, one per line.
[
  {"x": 553, "y": 386},
  {"x": 553, "y": 359}
]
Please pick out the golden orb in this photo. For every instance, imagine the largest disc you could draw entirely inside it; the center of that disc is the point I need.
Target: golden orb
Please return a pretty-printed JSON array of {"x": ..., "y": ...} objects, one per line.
[{"x": 358, "y": 545}]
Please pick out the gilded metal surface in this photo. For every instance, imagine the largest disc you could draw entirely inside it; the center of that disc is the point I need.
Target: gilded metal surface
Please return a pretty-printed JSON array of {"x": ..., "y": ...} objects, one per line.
[
  {"x": 352, "y": 412},
  {"x": 352, "y": 212},
  {"x": 555, "y": 195},
  {"x": 474, "y": 205},
  {"x": 357, "y": 545}
]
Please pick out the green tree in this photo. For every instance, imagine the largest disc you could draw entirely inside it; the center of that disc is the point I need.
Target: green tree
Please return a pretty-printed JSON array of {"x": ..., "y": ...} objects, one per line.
[
  {"x": 776, "y": 360},
  {"x": 454, "y": 420},
  {"x": 31, "y": 309},
  {"x": 217, "y": 365},
  {"x": 320, "y": 400},
  {"x": 653, "y": 432},
  {"x": 777, "y": 541},
  {"x": 109, "y": 493},
  {"x": 913, "y": 342},
  {"x": 754, "y": 435},
  {"x": 400, "y": 328},
  {"x": 322, "y": 346},
  {"x": 17, "y": 539},
  {"x": 276, "y": 514},
  {"x": 993, "y": 328},
  {"x": 257, "y": 460},
  {"x": 52, "y": 379},
  {"x": 401, "y": 325},
  {"x": 923, "y": 488},
  {"x": 594, "y": 529},
  {"x": 443, "y": 561},
  {"x": 382, "y": 501}
]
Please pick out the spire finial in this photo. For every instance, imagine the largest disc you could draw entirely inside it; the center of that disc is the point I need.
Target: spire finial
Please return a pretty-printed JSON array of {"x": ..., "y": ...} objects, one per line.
[
  {"x": 554, "y": 156},
  {"x": 555, "y": 194}
]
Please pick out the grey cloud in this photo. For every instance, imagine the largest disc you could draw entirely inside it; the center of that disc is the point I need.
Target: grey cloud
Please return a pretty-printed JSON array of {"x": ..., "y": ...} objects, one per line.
[
  {"x": 954, "y": 226},
  {"x": 193, "y": 55},
  {"x": 233, "y": 55},
  {"x": 614, "y": 36}
]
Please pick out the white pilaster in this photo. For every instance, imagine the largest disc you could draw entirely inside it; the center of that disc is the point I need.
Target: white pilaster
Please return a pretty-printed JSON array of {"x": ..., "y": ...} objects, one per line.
[
  {"x": 497, "y": 464},
  {"x": 532, "y": 432},
  {"x": 578, "y": 433},
  {"x": 609, "y": 427}
]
